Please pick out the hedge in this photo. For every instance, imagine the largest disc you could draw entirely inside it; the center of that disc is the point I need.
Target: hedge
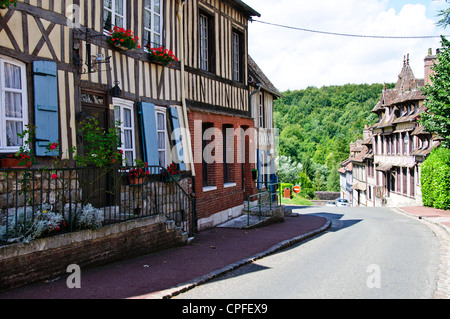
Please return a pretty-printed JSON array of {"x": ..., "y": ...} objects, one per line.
[{"x": 435, "y": 179}]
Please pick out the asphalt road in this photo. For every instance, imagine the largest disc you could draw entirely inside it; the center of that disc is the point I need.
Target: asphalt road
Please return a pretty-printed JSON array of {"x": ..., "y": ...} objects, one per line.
[{"x": 368, "y": 253}]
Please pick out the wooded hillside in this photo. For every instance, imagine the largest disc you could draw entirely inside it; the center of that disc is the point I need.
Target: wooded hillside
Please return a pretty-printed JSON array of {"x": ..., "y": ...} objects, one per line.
[{"x": 317, "y": 124}]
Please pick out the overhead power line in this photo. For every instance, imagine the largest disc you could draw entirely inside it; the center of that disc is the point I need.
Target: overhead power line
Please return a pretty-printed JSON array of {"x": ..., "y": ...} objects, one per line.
[{"x": 348, "y": 34}]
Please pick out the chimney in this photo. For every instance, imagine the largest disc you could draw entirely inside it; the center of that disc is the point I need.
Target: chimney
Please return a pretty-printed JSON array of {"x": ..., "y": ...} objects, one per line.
[{"x": 429, "y": 62}]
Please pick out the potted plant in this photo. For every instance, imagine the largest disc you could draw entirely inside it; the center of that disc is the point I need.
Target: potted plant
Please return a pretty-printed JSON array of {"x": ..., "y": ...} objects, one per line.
[
  {"x": 254, "y": 174},
  {"x": 6, "y": 3},
  {"x": 173, "y": 171},
  {"x": 137, "y": 176},
  {"x": 161, "y": 55},
  {"x": 123, "y": 39}
]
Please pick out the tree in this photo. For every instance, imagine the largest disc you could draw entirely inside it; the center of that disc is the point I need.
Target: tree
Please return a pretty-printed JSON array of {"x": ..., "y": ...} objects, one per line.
[
  {"x": 288, "y": 170},
  {"x": 437, "y": 118}
]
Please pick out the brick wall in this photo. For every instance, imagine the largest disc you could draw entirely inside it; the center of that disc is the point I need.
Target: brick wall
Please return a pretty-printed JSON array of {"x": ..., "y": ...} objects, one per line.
[
  {"x": 48, "y": 258},
  {"x": 224, "y": 196}
]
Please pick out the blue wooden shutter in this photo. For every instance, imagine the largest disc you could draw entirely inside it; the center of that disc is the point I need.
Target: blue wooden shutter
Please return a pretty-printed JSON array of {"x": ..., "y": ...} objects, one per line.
[
  {"x": 179, "y": 146},
  {"x": 45, "y": 106},
  {"x": 149, "y": 136},
  {"x": 259, "y": 167}
]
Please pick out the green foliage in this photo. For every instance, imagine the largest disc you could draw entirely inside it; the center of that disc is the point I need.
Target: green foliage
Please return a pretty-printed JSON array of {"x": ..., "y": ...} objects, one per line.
[
  {"x": 437, "y": 118},
  {"x": 307, "y": 188},
  {"x": 288, "y": 170},
  {"x": 317, "y": 125},
  {"x": 99, "y": 146},
  {"x": 435, "y": 179}
]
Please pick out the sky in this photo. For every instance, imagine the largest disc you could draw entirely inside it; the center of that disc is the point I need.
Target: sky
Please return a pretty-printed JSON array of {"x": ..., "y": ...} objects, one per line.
[{"x": 295, "y": 60}]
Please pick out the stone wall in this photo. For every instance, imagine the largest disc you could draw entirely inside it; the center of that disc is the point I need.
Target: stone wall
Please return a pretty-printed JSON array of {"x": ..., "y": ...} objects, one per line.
[{"x": 47, "y": 258}]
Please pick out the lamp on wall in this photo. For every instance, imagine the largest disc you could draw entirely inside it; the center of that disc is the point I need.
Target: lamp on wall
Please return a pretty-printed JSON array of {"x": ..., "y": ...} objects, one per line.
[{"x": 116, "y": 91}]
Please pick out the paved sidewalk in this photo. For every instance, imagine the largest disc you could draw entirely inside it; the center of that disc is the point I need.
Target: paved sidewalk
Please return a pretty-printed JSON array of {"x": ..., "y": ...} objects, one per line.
[
  {"x": 163, "y": 274},
  {"x": 439, "y": 222}
]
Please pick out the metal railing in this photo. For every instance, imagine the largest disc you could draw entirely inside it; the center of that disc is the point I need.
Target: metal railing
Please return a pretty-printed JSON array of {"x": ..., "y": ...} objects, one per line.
[
  {"x": 273, "y": 198},
  {"x": 89, "y": 197}
]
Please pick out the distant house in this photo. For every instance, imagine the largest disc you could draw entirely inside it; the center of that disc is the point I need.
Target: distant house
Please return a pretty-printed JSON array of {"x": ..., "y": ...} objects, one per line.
[
  {"x": 262, "y": 98},
  {"x": 386, "y": 163}
]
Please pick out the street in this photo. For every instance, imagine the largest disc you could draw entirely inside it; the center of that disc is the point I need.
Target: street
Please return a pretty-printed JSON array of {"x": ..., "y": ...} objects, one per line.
[{"x": 367, "y": 253}]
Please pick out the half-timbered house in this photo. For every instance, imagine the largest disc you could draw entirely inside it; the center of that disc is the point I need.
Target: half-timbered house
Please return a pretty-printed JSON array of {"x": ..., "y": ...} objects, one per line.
[{"x": 59, "y": 67}]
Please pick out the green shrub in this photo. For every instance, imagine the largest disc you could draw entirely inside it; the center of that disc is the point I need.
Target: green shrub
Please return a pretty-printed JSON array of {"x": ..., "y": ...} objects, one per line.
[{"x": 435, "y": 179}]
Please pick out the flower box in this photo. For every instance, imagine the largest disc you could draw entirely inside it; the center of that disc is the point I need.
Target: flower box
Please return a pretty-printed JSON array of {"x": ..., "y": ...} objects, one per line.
[
  {"x": 123, "y": 39},
  {"x": 161, "y": 56},
  {"x": 14, "y": 163}
]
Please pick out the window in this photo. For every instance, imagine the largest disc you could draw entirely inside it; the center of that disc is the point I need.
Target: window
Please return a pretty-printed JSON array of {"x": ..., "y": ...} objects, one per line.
[
  {"x": 114, "y": 14},
  {"x": 13, "y": 100},
  {"x": 237, "y": 56},
  {"x": 261, "y": 111},
  {"x": 206, "y": 45},
  {"x": 161, "y": 133},
  {"x": 207, "y": 168},
  {"x": 153, "y": 23},
  {"x": 124, "y": 114}
]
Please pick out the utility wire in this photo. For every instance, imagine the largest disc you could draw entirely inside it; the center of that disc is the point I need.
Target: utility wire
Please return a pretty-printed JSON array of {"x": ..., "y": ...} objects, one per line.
[{"x": 347, "y": 34}]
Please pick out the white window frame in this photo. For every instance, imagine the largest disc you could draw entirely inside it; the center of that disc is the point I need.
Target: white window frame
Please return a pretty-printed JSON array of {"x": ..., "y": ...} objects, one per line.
[
  {"x": 261, "y": 110},
  {"x": 3, "y": 136},
  {"x": 150, "y": 29},
  {"x": 163, "y": 111},
  {"x": 114, "y": 14},
  {"x": 236, "y": 56},
  {"x": 204, "y": 42},
  {"x": 125, "y": 105}
]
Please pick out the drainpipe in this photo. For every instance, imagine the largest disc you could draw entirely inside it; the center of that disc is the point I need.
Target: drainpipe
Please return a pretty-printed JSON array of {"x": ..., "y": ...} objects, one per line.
[{"x": 182, "y": 85}]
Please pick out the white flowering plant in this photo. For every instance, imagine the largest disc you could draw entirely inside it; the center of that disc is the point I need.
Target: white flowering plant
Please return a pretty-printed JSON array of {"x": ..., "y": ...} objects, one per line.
[{"x": 29, "y": 225}]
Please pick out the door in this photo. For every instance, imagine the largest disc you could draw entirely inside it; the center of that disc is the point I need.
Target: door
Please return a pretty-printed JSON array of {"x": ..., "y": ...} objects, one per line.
[{"x": 97, "y": 183}]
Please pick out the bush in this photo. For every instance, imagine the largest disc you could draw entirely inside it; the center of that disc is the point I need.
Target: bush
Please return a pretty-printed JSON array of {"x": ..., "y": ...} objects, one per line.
[
  {"x": 435, "y": 179},
  {"x": 30, "y": 225}
]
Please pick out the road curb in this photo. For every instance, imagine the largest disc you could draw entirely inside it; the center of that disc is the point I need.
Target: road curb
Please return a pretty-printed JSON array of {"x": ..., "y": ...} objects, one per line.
[{"x": 169, "y": 293}]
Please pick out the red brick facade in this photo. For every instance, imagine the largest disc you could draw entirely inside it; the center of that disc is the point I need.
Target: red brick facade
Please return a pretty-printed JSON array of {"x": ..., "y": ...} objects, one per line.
[{"x": 221, "y": 197}]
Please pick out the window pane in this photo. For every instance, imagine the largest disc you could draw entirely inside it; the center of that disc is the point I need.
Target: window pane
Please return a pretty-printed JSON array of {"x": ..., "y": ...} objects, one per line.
[
  {"x": 157, "y": 40},
  {"x": 128, "y": 139},
  {"x": 107, "y": 18},
  {"x": 119, "y": 7},
  {"x": 157, "y": 6},
  {"x": 108, "y": 4},
  {"x": 161, "y": 121},
  {"x": 127, "y": 118},
  {"x": 117, "y": 114},
  {"x": 12, "y": 129},
  {"x": 157, "y": 21},
  {"x": 161, "y": 142},
  {"x": 148, "y": 4},
  {"x": 162, "y": 158},
  {"x": 119, "y": 22},
  {"x": 129, "y": 157},
  {"x": 12, "y": 77},
  {"x": 13, "y": 105},
  {"x": 147, "y": 19}
]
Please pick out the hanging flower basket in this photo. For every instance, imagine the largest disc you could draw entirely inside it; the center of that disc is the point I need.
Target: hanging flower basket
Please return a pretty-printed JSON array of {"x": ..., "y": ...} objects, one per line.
[
  {"x": 161, "y": 56},
  {"x": 123, "y": 39},
  {"x": 6, "y": 3}
]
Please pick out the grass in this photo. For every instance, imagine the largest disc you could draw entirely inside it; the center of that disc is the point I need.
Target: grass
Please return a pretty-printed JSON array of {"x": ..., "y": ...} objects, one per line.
[{"x": 296, "y": 200}]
